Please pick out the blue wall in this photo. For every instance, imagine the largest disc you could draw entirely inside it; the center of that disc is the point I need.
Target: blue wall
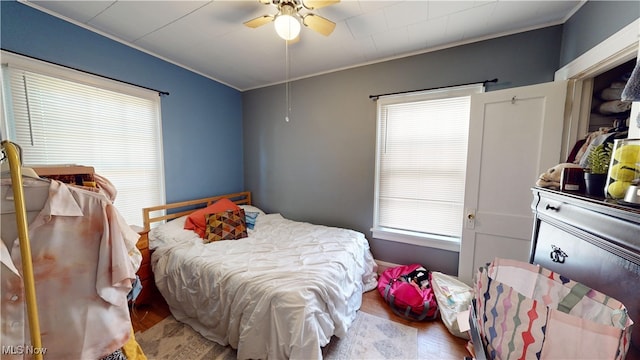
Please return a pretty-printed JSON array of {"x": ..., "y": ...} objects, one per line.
[{"x": 201, "y": 118}]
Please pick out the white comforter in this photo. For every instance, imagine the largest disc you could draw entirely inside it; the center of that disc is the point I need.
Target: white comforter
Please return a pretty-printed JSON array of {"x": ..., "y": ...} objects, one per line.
[{"x": 280, "y": 293}]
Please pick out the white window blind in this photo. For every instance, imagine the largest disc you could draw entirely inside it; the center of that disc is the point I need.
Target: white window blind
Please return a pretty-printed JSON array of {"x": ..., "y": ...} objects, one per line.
[
  {"x": 421, "y": 162},
  {"x": 71, "y": 119}
]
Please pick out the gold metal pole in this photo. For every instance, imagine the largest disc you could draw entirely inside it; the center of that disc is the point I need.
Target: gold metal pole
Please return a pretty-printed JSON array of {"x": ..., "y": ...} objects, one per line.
[{"x": 25, "y": 247}]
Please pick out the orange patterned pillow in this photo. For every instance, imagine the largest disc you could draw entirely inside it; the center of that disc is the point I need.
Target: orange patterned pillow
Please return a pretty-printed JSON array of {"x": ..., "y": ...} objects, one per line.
[
  {"x": 225, "y": 225},
  {"x": 197, "y": 220}
]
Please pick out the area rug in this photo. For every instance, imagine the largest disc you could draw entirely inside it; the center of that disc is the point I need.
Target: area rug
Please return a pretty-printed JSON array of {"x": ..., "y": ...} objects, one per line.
[{"x": 369, "y": 337}]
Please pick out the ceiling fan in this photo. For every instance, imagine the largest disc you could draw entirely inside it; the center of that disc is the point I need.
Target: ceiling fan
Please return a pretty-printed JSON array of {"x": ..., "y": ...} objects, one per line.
[{"x": 293, "y": 12}]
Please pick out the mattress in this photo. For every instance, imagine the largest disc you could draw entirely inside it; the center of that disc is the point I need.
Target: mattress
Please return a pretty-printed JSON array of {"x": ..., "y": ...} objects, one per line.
[{"x": 280, "y": 293}]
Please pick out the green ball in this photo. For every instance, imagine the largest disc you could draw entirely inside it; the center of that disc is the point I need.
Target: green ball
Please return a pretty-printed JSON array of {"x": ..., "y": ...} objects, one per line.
[
  {"x": 624, "y": 171},
  {"x": 627, "y": 153},
  {"x": 617, "y": 189}
]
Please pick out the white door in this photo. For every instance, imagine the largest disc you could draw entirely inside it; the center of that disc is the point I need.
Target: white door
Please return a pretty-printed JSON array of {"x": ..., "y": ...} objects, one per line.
[{"x": 514, "y": 135}]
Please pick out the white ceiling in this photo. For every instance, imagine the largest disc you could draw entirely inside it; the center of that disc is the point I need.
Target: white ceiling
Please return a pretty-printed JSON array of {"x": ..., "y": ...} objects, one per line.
[{"x": 209, "y": 38}]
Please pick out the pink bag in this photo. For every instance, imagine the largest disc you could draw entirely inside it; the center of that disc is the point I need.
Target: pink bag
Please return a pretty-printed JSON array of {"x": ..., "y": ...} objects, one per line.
[
  {"x": 407, "y": 289},
  {"x": 525, "y": 311}
]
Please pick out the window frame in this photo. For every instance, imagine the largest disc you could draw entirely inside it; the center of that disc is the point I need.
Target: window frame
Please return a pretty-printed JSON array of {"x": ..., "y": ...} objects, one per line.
[
  {"x": 404, "y": 236},
  {"x": 25, "y": 63}
]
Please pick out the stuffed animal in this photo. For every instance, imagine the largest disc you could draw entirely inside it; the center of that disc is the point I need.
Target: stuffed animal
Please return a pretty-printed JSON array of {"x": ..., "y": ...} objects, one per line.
[{"x": 551, "y": 178}]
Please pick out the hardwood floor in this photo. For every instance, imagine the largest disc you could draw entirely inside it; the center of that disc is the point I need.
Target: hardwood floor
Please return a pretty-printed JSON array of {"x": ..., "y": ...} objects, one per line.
[
  {"x": 145, "y": 316},
  {"x": 434, "y": 340}
]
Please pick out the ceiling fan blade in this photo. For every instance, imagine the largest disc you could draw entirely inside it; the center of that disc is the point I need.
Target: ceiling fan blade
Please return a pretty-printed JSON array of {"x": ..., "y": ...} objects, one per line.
[
  {"x": 317, "y": 4},
  {"x": 259, "y": 21},
  {"x": 319, "y": 24},
  {"x": 266, "y": 2}
]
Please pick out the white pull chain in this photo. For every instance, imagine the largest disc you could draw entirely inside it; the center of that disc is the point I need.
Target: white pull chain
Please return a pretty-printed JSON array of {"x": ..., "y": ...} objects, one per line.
[{"x": 287, "y": 85}]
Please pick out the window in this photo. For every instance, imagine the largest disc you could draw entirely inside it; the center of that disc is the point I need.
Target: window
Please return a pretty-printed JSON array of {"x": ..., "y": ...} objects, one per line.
[
  {"x": 62, "y": 116},
  {"x": 421, "y": 166}
]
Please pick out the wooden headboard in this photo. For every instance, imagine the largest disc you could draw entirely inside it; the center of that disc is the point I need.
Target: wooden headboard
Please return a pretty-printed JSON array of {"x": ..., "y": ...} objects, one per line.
[{"x": 241, "y": 198}]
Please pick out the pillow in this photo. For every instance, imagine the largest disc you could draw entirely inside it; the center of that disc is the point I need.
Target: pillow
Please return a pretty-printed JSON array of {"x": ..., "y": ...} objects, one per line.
[
  {"x": 169, "y": 233},
  {"x": 250, "y": 218},
  {"x": 251, "y": 208},
  {"x": 225, "y": 225},
  {"x": 197, "y": 221}
]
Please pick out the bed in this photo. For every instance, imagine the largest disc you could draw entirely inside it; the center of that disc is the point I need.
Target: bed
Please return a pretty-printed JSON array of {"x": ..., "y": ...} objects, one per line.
[{"x": 280, "y": 293}]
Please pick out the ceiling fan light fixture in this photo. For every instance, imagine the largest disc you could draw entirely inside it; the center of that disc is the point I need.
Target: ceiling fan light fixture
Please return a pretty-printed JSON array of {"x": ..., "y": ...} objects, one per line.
[
  {"x": 288, "y": 21},
  {"x": 287, "y": 26}
]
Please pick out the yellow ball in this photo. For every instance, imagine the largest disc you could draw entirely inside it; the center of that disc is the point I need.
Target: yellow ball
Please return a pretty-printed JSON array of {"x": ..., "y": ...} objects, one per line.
[
  {"x": 617, "y": 189},
  {"x": 627, "y": 153},
  {"x": 624, "y": 171}
]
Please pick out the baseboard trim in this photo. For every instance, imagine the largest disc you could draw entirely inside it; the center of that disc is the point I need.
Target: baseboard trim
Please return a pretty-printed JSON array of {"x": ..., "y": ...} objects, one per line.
[{"x": 383, "y": 265}]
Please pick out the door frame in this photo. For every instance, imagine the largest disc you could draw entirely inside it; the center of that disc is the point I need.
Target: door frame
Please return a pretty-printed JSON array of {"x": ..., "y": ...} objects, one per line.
[{"x": 611, "y": 52}]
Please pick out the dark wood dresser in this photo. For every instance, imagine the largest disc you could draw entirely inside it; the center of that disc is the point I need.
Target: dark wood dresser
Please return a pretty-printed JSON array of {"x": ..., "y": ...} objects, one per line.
[
  {"x": 145, "y": 273},
  {"x": 592, "y": 241}
]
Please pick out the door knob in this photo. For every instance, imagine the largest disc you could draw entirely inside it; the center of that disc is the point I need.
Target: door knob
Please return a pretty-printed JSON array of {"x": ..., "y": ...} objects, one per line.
[{"x": 470, "y": 222}]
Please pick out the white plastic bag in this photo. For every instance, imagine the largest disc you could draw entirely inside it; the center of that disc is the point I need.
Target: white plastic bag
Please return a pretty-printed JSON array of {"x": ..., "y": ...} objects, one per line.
[{"x": 453, "y": 296}]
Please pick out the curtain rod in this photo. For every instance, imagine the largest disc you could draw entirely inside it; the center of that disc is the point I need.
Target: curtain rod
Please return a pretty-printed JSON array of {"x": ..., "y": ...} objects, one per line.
[
  {"x": 375, "y": 97},
  {"x": 87, "y": 72}
]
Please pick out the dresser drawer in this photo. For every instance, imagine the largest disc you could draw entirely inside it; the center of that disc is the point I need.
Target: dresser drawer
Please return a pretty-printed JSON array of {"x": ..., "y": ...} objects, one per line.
[
  {"x": 586, "y": 263},
  {"x": 145, "y": 271},
  {"x": 146, "y": 256},
  {"x": 146, "y": 295},
  {"x": 617, "y": 231}
]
